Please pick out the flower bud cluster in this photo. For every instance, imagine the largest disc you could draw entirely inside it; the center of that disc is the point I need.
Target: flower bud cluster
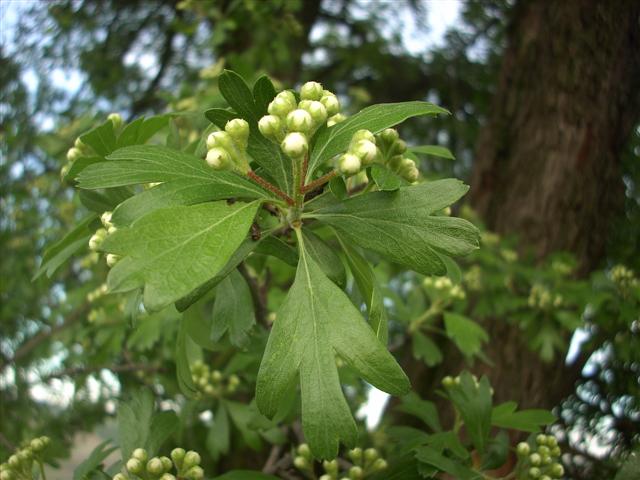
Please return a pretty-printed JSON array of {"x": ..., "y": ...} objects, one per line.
[
  {"x": 140, "y": 466},
  {"x": 450, "y": 382},
  {"x": 541, "y": 297},
  {"x": 94, "y": 295},
  {"x": 212, "y": 383},
  {"x": 79, "y": 149},
  {"x": 510, "y": 256},
  {"x": 20, "y": 465},
  {"x": 443, "y": 287},
  {"x": 361, "y": 153},
  {"x": 473, "y": 278},
  {"x": 392, "y": 150},
  {"x": 539, "y": 459},
  {"x": 99, "y": 236},
  {"x": 623, "y": 277},
  {"x": 364, "y": 463},
  {"x": 227, "y": 149},
  {"x": 292, "y": 124}
]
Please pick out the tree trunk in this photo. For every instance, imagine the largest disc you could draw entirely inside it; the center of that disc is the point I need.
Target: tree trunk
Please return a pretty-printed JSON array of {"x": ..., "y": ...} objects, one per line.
[{"x": 548, "y": 161}]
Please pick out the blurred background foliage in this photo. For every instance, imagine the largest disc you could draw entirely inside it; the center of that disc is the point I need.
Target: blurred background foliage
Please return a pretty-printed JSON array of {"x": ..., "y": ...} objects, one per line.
[{"x": 68, "y": 351}]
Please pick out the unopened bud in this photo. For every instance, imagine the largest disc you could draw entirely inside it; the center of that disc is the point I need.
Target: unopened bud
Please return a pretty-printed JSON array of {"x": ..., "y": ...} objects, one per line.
[
  {"x": 239, "y": 131},
  {"x": 220, "y": 139},
  {"x": 270, "y": 126},
  {"x": 304, "y": 450},
  {"x": 119, "y": 476},
  {"x": 356, "y": 473},
  {"x": 134, "y": 466},
  {"x": 366, "y": 151},
  {"x": 177, "y": 455},
  {"x": 555, "y": 451},
  {"x": 317, "y": 111},
  {"x": 166, "y": 463},
  {"x": 331, "y": 103},
  {"x": 311, "y": 91},
  {"x": 398, "y": 147},
  {"x": 97, "y": 238},
  {"x": 337, "y": 118},
  {"x": 112, "y": 259},
  {"x": 194, "y": 473},
  {"x": 299, "y": 120},
  {"x": 379, "y": 464},
  {"x": 535, "y": 459},
  {"x": 541, "y": 439},
  {"x": 330, "y": 466},
  {"x": 218, "y": 158},
  {"x": 389, "y": 135},
  {"x": 349, "y": 164},
  {"x": 167, "y": 476},
  {"x": 36, "y": 445},
  {"x": 535, "y": 472},
  {"x": 301, "y": 463},
  {"x": 116, "y": 119},
  {"x": 282, "y": 104},
  {"x": 371, "y": 454},
  {"x": 523, "y": 449},
  {"x": 216, "y": 376},
  {"x": 448, "y": 382},
  {"x": 552, "y": 441},
  {"x": 155, "y": 467},
  {"x": 355, "y": 455},
  {"x": 557, "y": 470},
  {"x": 545, "y": 477},
  {"x": 543, "y": 450},
  {"x": 295, "y": 145},
  {"x": 79, "y": 144},
  {"x": 73, "y": 154},
  {"x": 191, "y": 458},
  {"x": 105, "y": 218},
  {"x": 411, "y": 175}
]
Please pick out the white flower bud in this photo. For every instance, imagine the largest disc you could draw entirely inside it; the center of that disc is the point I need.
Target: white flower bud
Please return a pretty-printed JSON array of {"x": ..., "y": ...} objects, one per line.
[
  {"x": 331, "y": 103},
  {"x": 73, "y": 154},
  {"x": 239, "y": 131},
  {"x": 105, "y": 218},
  {"x": 349, "y": 164},
  {"x": 398, "y": 147},
  {"x": 301, "y": 463},
  {"x": 166, "y": 463},
  {"x": 112, "y": 259},
  {"x": 366, "y": 151},
  {"x": 363, "y": 135},
  {"x": 167, "y": 476},
  {"x": 111, "y": 230},
  {"x": 299, "y": 120},
  {"x": 218, "y": 158},
  {"x": 219, "y": 139},
  {"x": 389, "y": 135},
  {"x": 116, "y": 119},
  {"x": 411, "y": 175},
  {"x": 282, "y": 104},
  {"x": 97, "y": 238},
  {"x": 295, "y": 145},
  {"x": 79, "y": 144},
  {"x": 270, "y": 126},
  {"x": 330, "y": 466},
  {"x": 311, "y": 91},
  {"x": 194, "y": 473},
  {"x": 304, "y": 450},
  {"x": 119, "y": 476},
  {"x": 335, "y": 119},
  {"x": 355, "y": 473},
  {"x": 177, "y": 455},
  {"x": 371, "y": 454},
  {"x": 216, "y": 376},
  {"x": 317, "y": 111},
  {"x": 155, "y": 467},
  {"x": 134, "y": 466},
  {"x": 379, "y": 464},
  {"x": 191, "y": 458},
  {"x": 140, "y": 454}
]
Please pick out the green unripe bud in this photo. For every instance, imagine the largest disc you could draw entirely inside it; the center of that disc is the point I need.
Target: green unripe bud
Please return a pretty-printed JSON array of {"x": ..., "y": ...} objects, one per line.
[
  {"x": 270, "y": 126},
  {"x": 112, "y": 259},
  {"x": 216, "y": 376},
  {"x": 349, "y": 164},
  {"x": 355, "y": 455},
  {"x": 552, "y": 441},
  {"x": 116, "y": 119},
  {"x": 194, "y": 473},
  {"x": 371, "y": 454},
  {"x": 218, "y": 158},
  {"x": 389, "y": 135},
  {"x": 46, "y": 440},
  {"x": 73, "y": 154},
  {"x": 79, "y": 144},
  {"x": 331, "y": 103},
  {"x": 337, "y": 118},
  {"x": 155, "y": 467},
  {"x": 220, "y": 139},
  {"x": 448, "y": 381},
  {"x": 366, "y": 151},
  {"x": 105, "y": 218},
  {"x": 7, "y": 475},
  {"x": 177, "y": 455},
  {"x": 36, "y": 445},
  {"x": 546, "y": 459},
  {"x": 555, "y": 452},
  {"x": 356, "y": 473},
  {"x": 541, "y": 439},
  {"x": 25, "y": 455},
  {"x": 295, "y": 145},
  {"x": 239, "y": 131},
  {"x": 543, "y": 450},
  {"x": 411, "y": 175},
  {"x": 326, "y": 476},
  {"x": 120, "y": 476},
  {"x": 282, "y": 105},
  {"x": 395, "y": 162},
  {"x": 134, "y": 466},
  {"x": 379, "y": 464},
  {"x": 167, "y": 476},
  {"x": 317, "y": 111},
  {"x": 534, "y": 472},
  {"x": 311, "y": 91},
  {"x": 535, "y": 459},
  {"x": 330, "y": 466},
  {"x": 557, "y": 470},
  {"x": 191, "y": 459},
  {"x": 363, "y": 135},
  {"x": 299, "y": 120},
  {"x": 398, "y": 147},
  {"x": 166, "y": 463},
  {"x": 545, "y": 477},
  {"x": 14, "y": 462},
  {"x": 301, "y": 463},
  {"x": 523, "y": 449},
  {"x": 140, "y": 454}
]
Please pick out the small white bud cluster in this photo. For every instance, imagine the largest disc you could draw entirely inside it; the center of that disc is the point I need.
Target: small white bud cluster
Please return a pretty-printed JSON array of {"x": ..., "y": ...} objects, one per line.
[
  {"x": 79, "y": 149},
  {"x": 392, "y": 150},
  {"x": 212, "y": 383},
  {"x": 362, "y": 464},
  {"x": 186, "y": 464},
  {"x": 96, "y": 240},
  {"x": 292, "y": 124},
  {"x": 540, "y": 459},
  {"x": 623, "y": 277},
  {"x": 97, "y": 293},
  {"x": 510, "y": 256},
  {"x": 227, "y": 149},
  {"x": 540, "y": 297},
  {"x": 20, "y": 465},
  {"x": 361, "y": 153},
  {"x": 444, "y": 288},
  {"x": 473, "y": 278}
]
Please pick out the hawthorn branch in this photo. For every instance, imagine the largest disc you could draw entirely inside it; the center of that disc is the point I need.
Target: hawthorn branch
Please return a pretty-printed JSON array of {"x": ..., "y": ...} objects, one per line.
[
  {"x": 269, "y": 186},
  {"x": 319, "y": 182},
  {"x": 259, "y": 300}
]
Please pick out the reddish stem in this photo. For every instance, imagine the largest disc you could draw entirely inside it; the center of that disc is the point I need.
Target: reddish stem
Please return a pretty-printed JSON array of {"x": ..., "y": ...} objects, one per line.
[
  {"x": 319, "y": 182},
  {"x": 269, "y": 186}
]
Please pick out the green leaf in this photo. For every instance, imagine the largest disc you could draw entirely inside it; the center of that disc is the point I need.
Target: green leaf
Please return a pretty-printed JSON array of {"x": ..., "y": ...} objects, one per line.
[
  {"x": 448, "y": 441},
  {"x": 163, "y": 425},
  {"x": 277, "y": 248},
  {"x": 141, "y": 130},
  {"x": 79, "y": 165},
  {"x": 102, "y": 139},
  {"x": 465, "y": 333},
  {"x": 338, "y": 187},
  {"x": 400, "y": 224},
  {"x": 326, "y": 257},
  {"x": 233, "y": 310},
  {"x": 422, "y": 409},
  {"x": 183, "y": 370},
  {"x": 630, "y": 468},
  {"x": 134, "y": 420},
  {"x": 241, "y": 415},
  {"x": 497, "y": 452},
  {"x": 62, "y": 250},
  {"x": 186, "y": 192},
  {"x": 433, "y": 150},
  {"x": 334, "y": 140},
  {"x": 93, "y": 461},
  {"x": 237, "y": 94},
  {"x": 370, "y": 290},
  {"x": 174, "y": 250},
  {"x": 506, "y": 416},
  {"x": 219, "y": 435},
  {"x": 473, "y": 401},
  {"x": 424, "y": 348},
  {"x": 316, "y": 321},
  {"x": 431, "y": 456},
  {"x": 219, "y": 116},
  {"x": 245, "y": 475},
  {"x": 384, "y": 178},
  {"x": 263, "y": 93}
]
